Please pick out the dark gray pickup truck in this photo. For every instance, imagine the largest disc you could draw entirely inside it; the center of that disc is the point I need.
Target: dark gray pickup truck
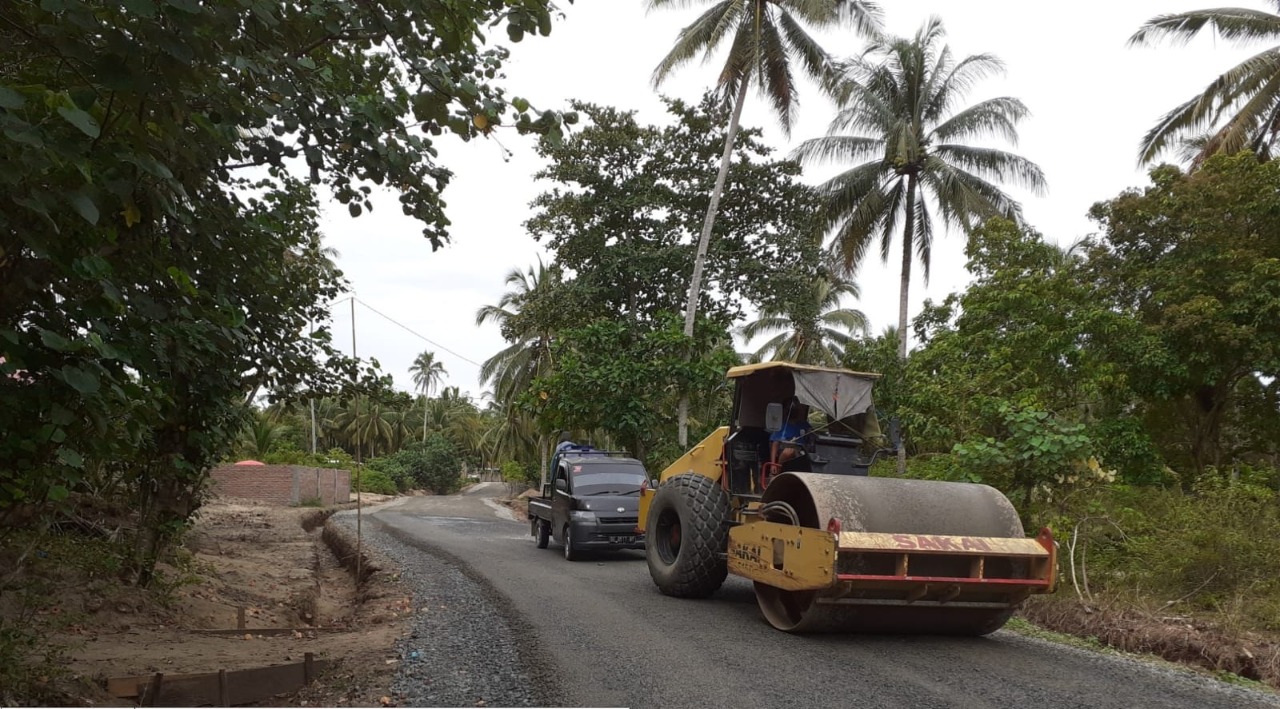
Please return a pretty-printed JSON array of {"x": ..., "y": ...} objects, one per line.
[{"x": 592, "y": 502}]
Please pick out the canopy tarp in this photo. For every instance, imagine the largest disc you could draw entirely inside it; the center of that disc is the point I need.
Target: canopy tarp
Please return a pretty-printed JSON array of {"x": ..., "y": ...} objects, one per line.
[{"x": 835, "y": 394}]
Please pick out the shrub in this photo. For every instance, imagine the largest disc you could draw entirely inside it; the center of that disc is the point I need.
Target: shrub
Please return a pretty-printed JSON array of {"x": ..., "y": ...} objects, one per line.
[
  {"x": 1214, "y": 549},
  {"x": 432, "y": 464},
  {"x": 374, "y": 481}
]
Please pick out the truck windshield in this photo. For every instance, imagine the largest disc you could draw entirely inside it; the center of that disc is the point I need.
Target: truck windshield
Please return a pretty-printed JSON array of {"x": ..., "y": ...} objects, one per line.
[{"x": 608, "y": 479}]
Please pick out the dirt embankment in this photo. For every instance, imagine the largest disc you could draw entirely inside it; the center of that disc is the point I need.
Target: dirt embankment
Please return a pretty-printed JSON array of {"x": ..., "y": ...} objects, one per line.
[
  {"x": 1178, "y": 639},
  {"x": 267, "y": 568}
]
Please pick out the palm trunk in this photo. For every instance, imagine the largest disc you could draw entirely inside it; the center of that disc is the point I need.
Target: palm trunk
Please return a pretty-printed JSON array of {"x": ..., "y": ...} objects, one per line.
[
  {"x": 908, "y": 241},
  {"x": 708, "y": 222},
  {"x": 424, "y": 418}
]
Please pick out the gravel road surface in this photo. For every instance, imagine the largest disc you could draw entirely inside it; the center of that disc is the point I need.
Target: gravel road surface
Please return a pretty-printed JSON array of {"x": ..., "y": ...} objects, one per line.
[{"x": 508, "y": 624}]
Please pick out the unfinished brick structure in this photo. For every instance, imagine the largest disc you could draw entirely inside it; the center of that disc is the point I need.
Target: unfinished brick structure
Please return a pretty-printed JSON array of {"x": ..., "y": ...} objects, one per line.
[{"x": 282, "y": 484}]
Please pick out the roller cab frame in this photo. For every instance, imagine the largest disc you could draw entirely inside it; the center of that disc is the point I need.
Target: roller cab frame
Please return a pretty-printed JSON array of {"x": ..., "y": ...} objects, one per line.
[{"x": 829, "y": 548}]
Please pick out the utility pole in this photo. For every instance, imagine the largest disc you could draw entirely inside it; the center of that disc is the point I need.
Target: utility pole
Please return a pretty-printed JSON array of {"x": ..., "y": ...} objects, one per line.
[
  {"x": 312, "y": 401},
  {"x": 359, "y": 462}
]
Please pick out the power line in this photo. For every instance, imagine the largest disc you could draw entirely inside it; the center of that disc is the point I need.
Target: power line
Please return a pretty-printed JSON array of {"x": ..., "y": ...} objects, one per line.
[{"x": 415, "y": 333}]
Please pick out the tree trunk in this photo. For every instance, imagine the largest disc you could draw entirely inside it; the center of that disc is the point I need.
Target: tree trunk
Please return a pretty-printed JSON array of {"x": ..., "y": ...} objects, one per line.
[
  {"x": 908, "y": 241},
  {"x": 542, "y": 455},
  {"x": 699, "y": 259},
  {"x": 424, "y": 418}
]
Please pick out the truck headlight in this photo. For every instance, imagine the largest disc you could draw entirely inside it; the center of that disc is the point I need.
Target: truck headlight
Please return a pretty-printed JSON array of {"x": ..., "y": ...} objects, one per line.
[{"x": 583, "y": 515}]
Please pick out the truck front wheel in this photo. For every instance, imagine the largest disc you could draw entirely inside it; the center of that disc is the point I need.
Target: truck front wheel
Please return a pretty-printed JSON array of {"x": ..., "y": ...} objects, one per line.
[
  {"x": 570, "y": 554},
  {"x": 686, "y": 536}
]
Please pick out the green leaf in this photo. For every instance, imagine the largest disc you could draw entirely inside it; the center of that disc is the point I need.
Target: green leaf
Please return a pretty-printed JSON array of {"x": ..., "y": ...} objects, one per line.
[
  {"x": 81, "y": 120},
  {"x": 11, "y": 99},
  {"x": 142, "y": 8},
  {"x": 61, "y": 415},
  {"x": 27, "y": 136},
  {"x": 58, "y": 493},
  {"x": 80, "y": 380},
  {"x": 85, "y": 207},
  {"x": 54, "y": 341},
  {"x": 70, "y": 457}
]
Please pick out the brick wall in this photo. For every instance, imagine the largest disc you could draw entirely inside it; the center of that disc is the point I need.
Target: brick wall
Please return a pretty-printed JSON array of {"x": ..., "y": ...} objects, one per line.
[
  {"x": 324, "y": 484},
  {"x": 282, "y": 484}
]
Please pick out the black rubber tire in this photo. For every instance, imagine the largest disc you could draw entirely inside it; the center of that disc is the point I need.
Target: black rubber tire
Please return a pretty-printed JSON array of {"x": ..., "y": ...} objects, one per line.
[
  {"x": 544, "y": 533},
  {"x": 570, "y": 554},
  {"x": 687, "y": 535}
]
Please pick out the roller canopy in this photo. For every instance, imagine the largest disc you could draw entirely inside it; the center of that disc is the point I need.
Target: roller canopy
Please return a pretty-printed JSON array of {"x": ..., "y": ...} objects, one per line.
[{"x": 835, "y": 394}]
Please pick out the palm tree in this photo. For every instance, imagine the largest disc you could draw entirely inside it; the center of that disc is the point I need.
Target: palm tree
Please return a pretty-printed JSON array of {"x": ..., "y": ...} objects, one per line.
[
  {"x": 399, "y": 427},
  {"x": 820, "y": 335},
  {"x": 364, "y": 425},
  {"x": 902, "y": 95},
  {"x": 765, "y": 38},
  {"x": 512, "y": 370},
  {"x": 1247, "y": 95},
  {"x": 259, "y": 437},
  {"x": 427, "y": 373}
]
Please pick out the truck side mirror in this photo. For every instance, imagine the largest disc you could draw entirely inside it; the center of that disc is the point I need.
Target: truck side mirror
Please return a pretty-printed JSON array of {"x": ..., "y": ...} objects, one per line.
[
  {"x": 546, "y": 489},
  {"x": 895, "y": 433},
  {"x": 561, "y": 485},
  {"x": 773, "y": 417}
]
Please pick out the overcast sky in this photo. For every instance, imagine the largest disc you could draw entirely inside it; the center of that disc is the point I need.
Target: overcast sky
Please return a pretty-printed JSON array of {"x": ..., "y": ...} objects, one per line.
[{"x": 1090, "y": 97}]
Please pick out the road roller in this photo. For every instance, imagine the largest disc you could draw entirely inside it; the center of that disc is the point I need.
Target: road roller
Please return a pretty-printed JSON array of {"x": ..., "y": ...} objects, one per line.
[{"x": 782, "y": 496}]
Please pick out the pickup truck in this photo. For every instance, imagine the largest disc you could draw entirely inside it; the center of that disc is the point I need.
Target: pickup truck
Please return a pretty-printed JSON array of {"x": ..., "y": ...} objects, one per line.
[{"x": 592, "y": 502}]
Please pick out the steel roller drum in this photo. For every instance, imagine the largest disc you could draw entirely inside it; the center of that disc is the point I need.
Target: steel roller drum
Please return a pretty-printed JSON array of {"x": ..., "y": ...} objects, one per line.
[{"x": 895, "y": 506}]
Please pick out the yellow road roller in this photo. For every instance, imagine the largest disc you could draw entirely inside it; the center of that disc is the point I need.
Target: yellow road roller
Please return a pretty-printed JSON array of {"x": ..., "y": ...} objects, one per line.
[{"x": 781, "y": 496}]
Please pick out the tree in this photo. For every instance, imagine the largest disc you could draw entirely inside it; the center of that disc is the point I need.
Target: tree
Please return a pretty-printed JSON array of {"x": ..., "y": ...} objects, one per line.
[
  {"x": 625, "y": 381},
  {"x": 365, "y": 425},
  {"x": 1240, "y": 109},
  {"x": 260, "y": 436},
  {"x": 1193, "y": 261},
  {"x": 511, "y": 370},
  {"x": 433, "y": 464},
  {"x": 624, "y": 208},
  {"x": 765, "y": 38},
  {"x": 158, "y": 258},
  {"x": 816, "y": 330},
  {"x": 903, "y": 94},
  {"x": 620, "y": 216},
  {"x": 427, "y": 373}
]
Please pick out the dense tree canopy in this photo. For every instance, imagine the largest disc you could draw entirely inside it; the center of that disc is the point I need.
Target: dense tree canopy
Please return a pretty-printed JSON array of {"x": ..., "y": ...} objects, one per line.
[
  {"x": 159, "y": 263},
  {"x": 1195, "y": 259}
]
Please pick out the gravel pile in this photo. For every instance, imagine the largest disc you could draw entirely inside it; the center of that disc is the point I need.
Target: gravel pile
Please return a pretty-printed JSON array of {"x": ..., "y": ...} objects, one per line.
[{"x": 465, "y": 648}]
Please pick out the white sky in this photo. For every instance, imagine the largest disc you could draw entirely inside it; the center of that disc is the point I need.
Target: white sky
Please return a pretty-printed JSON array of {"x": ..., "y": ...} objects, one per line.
[{"x": 1091, "y": 100}]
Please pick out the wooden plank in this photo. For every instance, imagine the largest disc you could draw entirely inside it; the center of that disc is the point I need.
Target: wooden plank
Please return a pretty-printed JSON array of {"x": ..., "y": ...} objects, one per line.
[
  {"x": 213, "y": 688},
  {"x": 152, "y": 692},
  {"x": 269, "y": 632}
]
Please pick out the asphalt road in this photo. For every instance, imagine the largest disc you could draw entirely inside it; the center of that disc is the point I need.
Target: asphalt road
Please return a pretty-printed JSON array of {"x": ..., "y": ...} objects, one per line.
[{"x": 597, "y": 633}]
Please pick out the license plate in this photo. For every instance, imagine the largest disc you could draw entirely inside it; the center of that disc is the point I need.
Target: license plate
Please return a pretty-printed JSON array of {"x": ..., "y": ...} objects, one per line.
[{"x": 622, "y": 540}]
